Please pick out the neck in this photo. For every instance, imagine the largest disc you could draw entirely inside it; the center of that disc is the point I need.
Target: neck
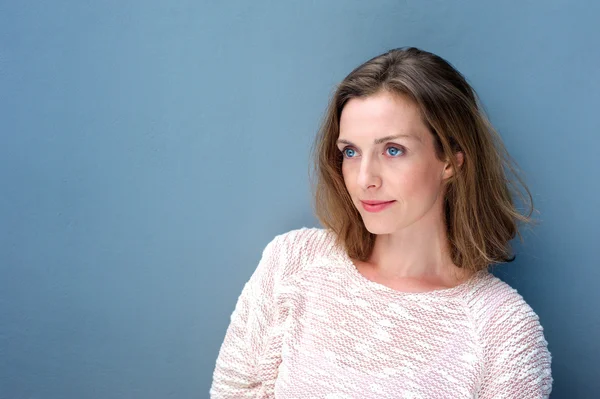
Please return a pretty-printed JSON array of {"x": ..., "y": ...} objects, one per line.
[{"x": 419, "y": 251}]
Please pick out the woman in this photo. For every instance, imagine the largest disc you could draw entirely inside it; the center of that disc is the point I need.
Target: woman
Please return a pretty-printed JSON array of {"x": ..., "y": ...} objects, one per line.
[{"x": 393, "y": 298}]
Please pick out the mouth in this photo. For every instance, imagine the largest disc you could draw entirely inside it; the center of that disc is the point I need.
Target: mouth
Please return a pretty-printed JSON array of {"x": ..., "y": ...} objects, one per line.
[
  {"x": 375, "y": 202},
  {"x": 376, "y": 206}
]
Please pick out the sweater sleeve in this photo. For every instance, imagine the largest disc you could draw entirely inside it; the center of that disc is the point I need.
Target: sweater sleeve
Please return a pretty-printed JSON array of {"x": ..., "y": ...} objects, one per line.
[
  {"x": 517, "y": 356},
  {"x": 237, "y": 373}
]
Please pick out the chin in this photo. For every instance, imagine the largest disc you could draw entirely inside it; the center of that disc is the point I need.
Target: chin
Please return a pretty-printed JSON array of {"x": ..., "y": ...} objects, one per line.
[{"x": 379, "y": 227}]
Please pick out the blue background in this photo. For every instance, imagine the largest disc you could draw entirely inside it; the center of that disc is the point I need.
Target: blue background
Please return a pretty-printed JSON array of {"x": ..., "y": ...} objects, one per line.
[{"x": 149, "y": 151}]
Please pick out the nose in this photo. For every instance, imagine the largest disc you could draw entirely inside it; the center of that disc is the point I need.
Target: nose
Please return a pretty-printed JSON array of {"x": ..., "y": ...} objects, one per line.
[{"x": 368, "y": 174}]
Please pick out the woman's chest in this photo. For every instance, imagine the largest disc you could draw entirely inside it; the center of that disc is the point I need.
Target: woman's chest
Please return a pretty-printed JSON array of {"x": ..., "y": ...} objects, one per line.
[{"x": 340, "y": 345}]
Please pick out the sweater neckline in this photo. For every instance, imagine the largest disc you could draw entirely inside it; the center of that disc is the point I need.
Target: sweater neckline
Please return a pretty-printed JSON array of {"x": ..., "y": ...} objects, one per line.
[{"x": 364, "y": 282}]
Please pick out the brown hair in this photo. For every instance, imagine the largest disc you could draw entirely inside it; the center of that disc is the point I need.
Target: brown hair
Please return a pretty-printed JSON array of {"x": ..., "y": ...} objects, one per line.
[{"x": 479, "y": 211}]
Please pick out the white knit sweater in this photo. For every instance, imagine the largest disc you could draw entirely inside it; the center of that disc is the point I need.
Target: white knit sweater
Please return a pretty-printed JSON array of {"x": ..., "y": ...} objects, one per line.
[{"x": 308, "y": 325}]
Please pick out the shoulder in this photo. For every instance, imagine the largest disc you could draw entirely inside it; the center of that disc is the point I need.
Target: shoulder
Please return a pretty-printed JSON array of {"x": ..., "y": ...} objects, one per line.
[
  {"x": 496, "y": 305},
  {"x": 293, "y": 250},
  {"x": 516, "y": 355},
  {"x": 512, "y": 337},
  {"x": 515, "y": 349}
]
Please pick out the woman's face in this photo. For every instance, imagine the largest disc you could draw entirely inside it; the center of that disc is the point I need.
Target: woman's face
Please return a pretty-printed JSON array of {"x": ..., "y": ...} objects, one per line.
[{"x": 388, "y": 155}]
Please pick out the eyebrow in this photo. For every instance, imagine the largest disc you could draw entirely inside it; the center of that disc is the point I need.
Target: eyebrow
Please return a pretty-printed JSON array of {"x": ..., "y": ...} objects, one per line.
[{"x": 383, "y": 139}]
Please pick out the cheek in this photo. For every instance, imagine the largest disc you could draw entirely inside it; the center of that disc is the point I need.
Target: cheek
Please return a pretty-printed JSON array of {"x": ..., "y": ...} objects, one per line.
[
  {"x": 348, "y": 178},
  {"x": 406, "y": 183},
  {"x": 414, "y": 180},
  {"x": 346, "y": 171}
]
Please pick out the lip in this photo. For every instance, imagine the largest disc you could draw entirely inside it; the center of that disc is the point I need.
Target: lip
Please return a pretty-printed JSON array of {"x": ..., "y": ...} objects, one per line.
[{"x": 376, "y": 206}]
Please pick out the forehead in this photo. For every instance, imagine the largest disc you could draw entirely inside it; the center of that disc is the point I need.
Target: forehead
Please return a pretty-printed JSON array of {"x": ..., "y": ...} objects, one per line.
[{"x": 381, "y": 114}]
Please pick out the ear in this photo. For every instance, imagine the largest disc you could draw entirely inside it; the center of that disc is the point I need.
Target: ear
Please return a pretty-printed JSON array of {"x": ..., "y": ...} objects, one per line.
[{"x": 448, "y": 171}]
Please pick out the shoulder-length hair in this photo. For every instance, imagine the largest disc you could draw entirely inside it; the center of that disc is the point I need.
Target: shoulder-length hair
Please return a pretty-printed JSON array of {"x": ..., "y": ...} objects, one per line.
[{"x": 479, "y": 212}]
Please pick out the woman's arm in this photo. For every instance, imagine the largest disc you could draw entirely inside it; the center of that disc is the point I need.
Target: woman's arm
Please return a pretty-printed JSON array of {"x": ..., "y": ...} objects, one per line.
[
  {"x": 236, "y": 373},
  {"x": 518, "y": 360}
]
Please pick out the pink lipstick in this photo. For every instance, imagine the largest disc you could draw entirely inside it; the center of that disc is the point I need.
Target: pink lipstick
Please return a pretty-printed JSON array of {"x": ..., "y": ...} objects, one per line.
[{"x": 376, "y": 206}]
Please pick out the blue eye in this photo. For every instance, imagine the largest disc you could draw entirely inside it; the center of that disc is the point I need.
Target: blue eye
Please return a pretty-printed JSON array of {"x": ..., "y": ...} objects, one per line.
[
  {"x": 394, "y": 151},
  {"x": 345, "y": 152}
]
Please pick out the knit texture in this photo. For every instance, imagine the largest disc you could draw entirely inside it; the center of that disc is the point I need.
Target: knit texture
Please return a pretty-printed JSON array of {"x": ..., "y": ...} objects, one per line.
[{"x": 308, "y": 325}]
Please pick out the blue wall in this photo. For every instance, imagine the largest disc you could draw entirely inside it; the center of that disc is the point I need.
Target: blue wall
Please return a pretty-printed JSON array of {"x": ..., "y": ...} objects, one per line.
[{"x": 149, "y": 150}]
